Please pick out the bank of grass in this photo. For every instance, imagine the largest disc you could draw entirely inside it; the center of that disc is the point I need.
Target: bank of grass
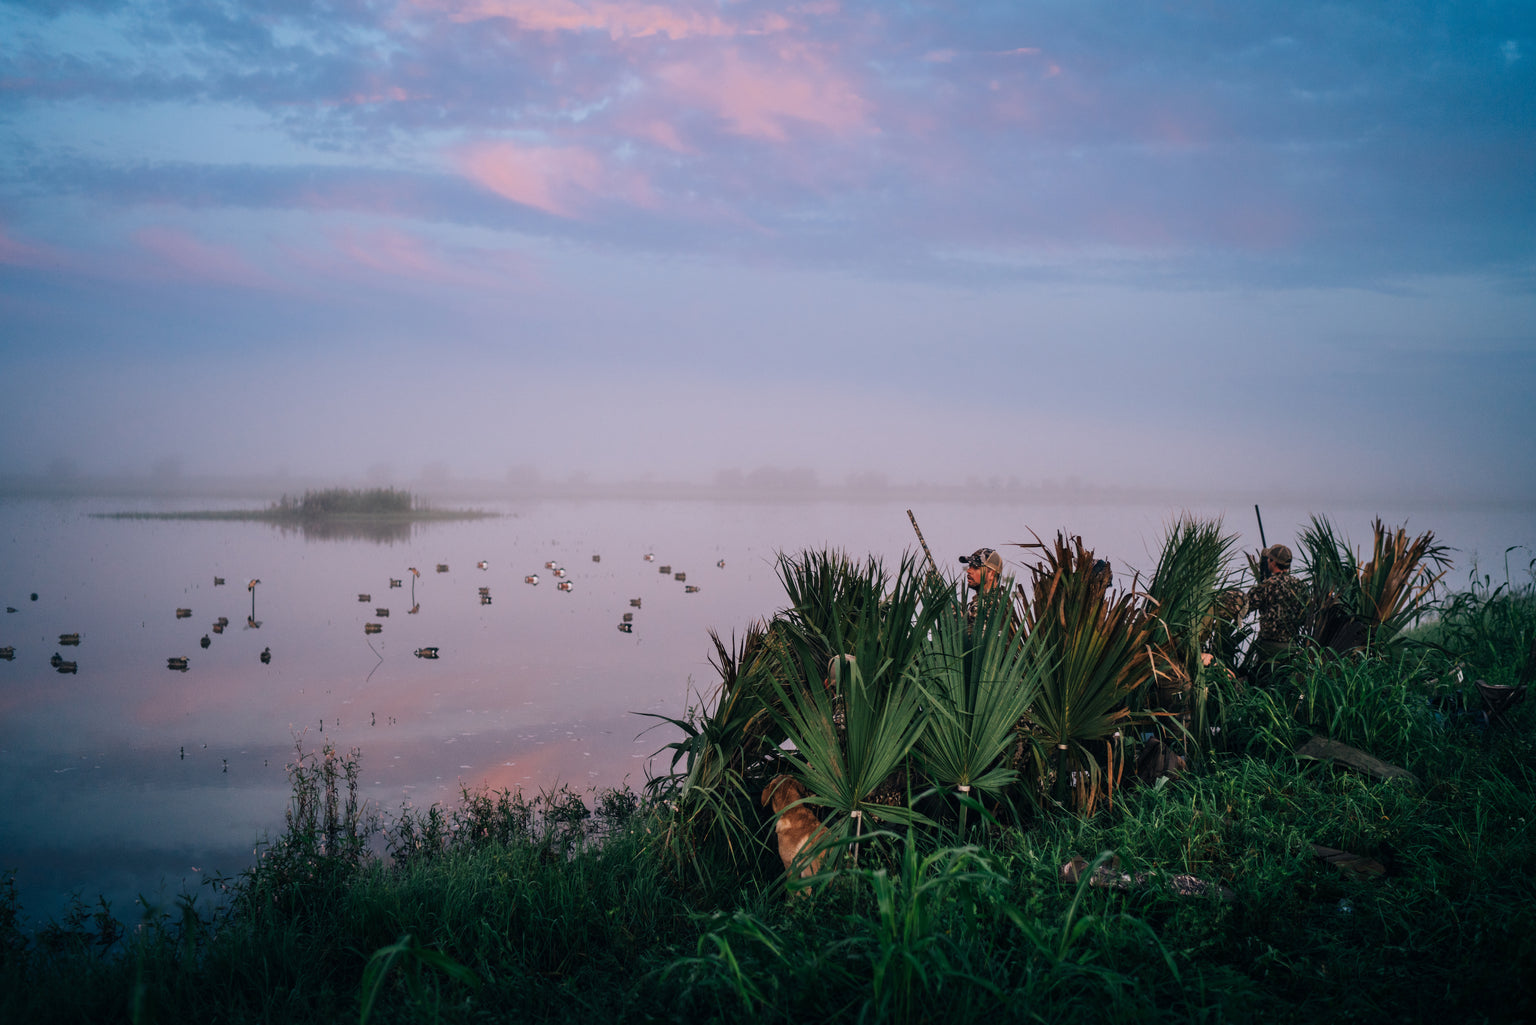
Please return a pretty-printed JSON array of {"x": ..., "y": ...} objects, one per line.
[{"x": 569, "y": 907}]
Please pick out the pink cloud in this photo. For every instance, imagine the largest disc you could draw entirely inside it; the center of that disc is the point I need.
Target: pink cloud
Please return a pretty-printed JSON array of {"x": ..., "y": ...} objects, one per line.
[
  {"x": 560, "y": 180},
  {"x": 197, "y": 259},
  {"x": 369, "y": 253},
  {"x": 619, "y": 20},
  {"x": 25, "y": 254},
  {"x": 762, "y": 99}
]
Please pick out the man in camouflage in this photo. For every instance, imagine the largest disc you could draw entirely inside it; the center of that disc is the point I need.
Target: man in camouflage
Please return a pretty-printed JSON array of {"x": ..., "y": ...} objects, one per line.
[
  {"x": 1281, "y": 602},
  {"x": 983, "y": 569}
]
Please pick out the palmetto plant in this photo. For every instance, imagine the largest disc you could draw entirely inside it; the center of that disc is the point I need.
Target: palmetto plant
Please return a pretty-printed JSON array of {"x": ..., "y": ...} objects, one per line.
[
  {"x": 1097, "y": 650},
  {"x": 1355, "y": 604},
  {"x": 881, "y": 623},
  {"x": 1195, "y": 610},
  {"x": 977, "y": 685}
]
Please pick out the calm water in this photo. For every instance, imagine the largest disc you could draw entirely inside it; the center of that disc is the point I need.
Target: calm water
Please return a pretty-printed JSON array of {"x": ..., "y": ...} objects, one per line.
[{"x": 128, "y": 778}]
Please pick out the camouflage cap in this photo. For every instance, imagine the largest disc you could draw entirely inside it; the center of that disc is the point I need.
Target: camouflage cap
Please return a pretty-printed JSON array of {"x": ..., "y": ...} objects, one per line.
[
  {"x": 1279, "y": 557},
  {"x": 984, "y": 558}
]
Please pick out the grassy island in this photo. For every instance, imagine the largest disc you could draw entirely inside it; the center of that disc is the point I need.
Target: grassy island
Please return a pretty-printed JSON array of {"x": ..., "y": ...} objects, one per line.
[
  {"x": 1065, "y": 802},
  {"x": 327, "y": 504}
]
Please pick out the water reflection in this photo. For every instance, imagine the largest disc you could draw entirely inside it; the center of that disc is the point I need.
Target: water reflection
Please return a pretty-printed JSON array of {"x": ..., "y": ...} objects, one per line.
[{"x": 380, "y": 532}]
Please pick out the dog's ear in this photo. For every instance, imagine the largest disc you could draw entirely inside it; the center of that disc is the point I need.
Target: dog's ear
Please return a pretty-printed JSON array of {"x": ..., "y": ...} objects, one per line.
[{"x": 773, "y": 784}]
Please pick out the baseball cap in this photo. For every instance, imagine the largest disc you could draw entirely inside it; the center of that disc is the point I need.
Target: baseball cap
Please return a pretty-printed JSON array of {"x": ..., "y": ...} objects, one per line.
[{"x": 984, "y": 558}]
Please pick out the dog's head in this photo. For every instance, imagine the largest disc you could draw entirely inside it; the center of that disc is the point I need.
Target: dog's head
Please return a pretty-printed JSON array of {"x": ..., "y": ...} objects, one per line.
[{"x": 781, "y": 792}]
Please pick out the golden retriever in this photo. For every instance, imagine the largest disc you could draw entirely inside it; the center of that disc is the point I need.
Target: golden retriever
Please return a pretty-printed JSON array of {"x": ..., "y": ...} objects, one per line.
[{"x": 798, "y": 828}]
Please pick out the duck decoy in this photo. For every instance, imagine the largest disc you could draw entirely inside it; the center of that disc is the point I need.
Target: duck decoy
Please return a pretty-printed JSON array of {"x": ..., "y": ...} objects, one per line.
[
  {"x": 56, "y": 660},
  {"x": 625, "y": 628},
  {"x": 426, "y": 652},
  {"x": 597, "y": 558},
  {"x": 559, "y": 571},
  {"x": 69, "y": 640},
  {"x": 485, "y": 599},
  {"x": 564, "y": 585},
  {"x": 395, "y": 583},
  {"x": 482, "y": 564},
  {"x": 551, "y": 564},
  {"x": 721, "y": 564},
  {"x": 485, "y": 590},
  {"x": 218, "y": 581},
  {"x": 650, "y": 556},
  {"x": 413, "y": 610},
  {"x": 365, "y": 598},
  {"x": 442, "y": 567},
  {"x": 629, "y": 617},
  {"x": 691, "y": 589},
  {"x": 67, "y": 667},
  {"x": 217, "y": 628},
  {"x": 381, "y": 613},
  {"x": 532, "y": 578},
  {"x": 183, "y": 613},
  {"x": 177, "y": 662},
  {"x": 266, "y": 656},
  {"x": 252, "y": 623},
  {"x": 372, "y": 628},
  {"x": 10, "y": 608},
  {"x": 206, "y": 641},
  {"x": 635, "y": 602},
  {"x": 679, "y": 577},
  {"x": 665, "y": 570},
  {"x": 8, "y": 653},
  {"x": 222, "y": 621}
]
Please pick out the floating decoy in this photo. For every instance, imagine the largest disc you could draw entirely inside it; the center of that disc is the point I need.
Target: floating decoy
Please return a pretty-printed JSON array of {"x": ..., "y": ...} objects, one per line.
[
  {"x": 395, "y": 583},
  {"x": 442, "y": 567},
  {"x": 413, "y": 610},
  {"x": 691, "y": 589},
  {"x": 381, "y": 613},
  {"x": 365, "y": 598},
  {"x": 564, "y": 585},
  {"x": 34, "y": 596},
  {"x": 69, "y": 640},
  {"x": 218, "y": 628},
  {"x": 551, "y": 564},
  {"x": 218, "y": 581},
  {"x": 635, "y": 602},
  {"x": 665, "y": 570},
  {"x": 532, "y": 578},
  {"x": 266, "y": 656},
  {"x": 66, "y": 667},
  {"x": 485, "y": 590},
  {"x": 559, "y": 572},
  {"x": 252, "y": 585},
  {"x": 413, "y": 571},
  {"x": 206, "y": 641},
  {"x": 56, "y": 660},
  {"x": 597, "y": 558},
  {"x": 650, "y": 557},
  {"x": 8, "y": 653},
  {"x": 625, "y": 628},
  {"x": 485, "y": 599},
  {"x": 629, "y": 617},
  {"x": 721, "y": 564},
  {"x": 10, "y": 608},
  {"x": 426, "y": 652},
  {"x": 372, "y": 628},
  {"x": 482, "y": 564},
  {"x": 679, "y": 576},
  {"x": 178, "y": 663},
  {"x": 252, "y": 623},
  {"x": 183, "y": 613}
]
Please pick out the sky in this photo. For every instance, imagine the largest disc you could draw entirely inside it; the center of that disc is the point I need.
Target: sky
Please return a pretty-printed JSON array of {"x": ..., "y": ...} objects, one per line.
[{"x": 1192, "y": 245}]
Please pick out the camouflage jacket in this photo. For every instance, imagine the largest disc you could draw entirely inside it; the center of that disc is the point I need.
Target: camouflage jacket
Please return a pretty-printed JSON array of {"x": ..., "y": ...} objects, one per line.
[{"x": 1281, "y": 602}]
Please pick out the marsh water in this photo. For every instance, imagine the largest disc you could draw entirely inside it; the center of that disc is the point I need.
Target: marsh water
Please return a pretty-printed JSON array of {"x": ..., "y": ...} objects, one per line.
[{"x": 128, "y": 779}]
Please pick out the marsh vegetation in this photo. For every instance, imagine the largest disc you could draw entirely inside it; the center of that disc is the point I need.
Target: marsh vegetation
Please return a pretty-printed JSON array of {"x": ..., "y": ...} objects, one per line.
[{"x": 991, "y": 851}]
